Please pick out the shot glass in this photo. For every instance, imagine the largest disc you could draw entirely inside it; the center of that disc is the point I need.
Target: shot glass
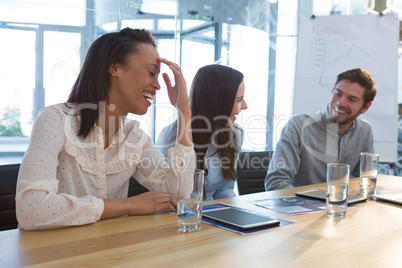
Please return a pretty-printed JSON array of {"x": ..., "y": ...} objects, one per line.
[
  {"x": 368, "y": 173},
  {"x": 337, "y": 189},
  {"x": 190, "y": 185}
]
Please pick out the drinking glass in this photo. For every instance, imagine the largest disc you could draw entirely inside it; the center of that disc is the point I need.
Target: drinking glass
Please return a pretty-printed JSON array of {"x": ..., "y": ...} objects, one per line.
[
  {"x": 337, "y": 189},
  {"x": 368, "y": 173},
  {"x": 190, "y": 185}
]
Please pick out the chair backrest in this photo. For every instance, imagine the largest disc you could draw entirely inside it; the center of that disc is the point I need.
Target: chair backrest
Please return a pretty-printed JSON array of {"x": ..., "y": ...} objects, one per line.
[
  {"x": 8, "y": 185},
  {"x": 251, "y": 171},
  {"x": 135, "y": 188}
]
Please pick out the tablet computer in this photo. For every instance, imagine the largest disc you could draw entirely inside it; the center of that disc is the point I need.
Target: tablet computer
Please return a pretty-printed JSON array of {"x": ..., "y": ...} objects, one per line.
[
  {"x": 389, "y": 193},
  {"x": 394, "y": 198},
  {"x": 239, "y": 218},
  {"x": 321, "y": 194}
]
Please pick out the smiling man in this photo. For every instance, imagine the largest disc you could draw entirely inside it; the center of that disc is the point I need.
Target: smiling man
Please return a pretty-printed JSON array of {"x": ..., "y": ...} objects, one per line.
[{"x": 309, "y": 141}]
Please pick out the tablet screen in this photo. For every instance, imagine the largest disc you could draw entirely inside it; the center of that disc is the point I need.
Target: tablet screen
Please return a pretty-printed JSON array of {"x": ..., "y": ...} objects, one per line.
[
  {"x": 239, "y": 218},
  {"x": 321, "y": 194}
]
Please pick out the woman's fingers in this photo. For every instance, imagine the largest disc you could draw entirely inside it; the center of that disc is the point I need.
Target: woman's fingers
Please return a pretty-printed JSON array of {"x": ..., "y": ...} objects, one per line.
[
  {"x": 151, "y": 202},
  {"x": 169, "y": 63},
  {"x": 172, "y": 92},
  {"x": 172, "y": 66},
  {"x": 166, "y": 78},
  {"x": 180, "y": 87}
]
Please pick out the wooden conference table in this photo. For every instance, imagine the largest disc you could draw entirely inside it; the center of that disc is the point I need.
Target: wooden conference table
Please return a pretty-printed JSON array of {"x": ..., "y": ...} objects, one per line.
[{"x": 370, "y": 236}]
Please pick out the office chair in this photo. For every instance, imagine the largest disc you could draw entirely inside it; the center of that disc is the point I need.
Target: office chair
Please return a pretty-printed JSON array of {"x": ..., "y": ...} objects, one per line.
[
  {"x": 251, "y": 171},
  {"x": 8, "y": 185},
  {"x": 135, "y": 188}
]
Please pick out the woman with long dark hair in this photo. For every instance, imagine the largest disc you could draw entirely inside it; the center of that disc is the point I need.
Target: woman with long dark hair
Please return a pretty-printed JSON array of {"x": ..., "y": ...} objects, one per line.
[
  {"x": 216, "y": 98},
  {"x": 83, "y": 152}
]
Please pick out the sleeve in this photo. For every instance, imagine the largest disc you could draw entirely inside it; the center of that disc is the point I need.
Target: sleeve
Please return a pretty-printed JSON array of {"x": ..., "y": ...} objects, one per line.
[
  {"x": 370, "y": 139},
  {"x": 215, "y": 180},
  {"x": 39, "y": 205},
  {"x": 399, "y": 130},
  {"x": 285, "y": 160},
  {"x": 224, "y": 193},
  {"x": 369, "y": 147},
  {"x": 167, "y": 139},
  {"x": 155, "y": 173}
]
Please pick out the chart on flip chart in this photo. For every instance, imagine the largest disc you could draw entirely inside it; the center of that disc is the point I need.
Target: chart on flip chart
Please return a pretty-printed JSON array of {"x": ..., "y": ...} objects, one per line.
[{"x": 329, "y": 45}]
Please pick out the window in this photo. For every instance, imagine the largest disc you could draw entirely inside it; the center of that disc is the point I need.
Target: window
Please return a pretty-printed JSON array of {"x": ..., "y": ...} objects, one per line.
[
  {"x": 17, "y": 76},
  {"x": 41, "y": 56},
  {"x": 60, "y": 69}
]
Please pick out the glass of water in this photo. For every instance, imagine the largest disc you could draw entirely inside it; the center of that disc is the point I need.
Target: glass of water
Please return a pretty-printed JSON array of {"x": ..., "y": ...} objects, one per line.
[
  {"x": 368, "y": 173},
  {"x": 337, "y": 189},
  {"x": 190, "y": 185}
]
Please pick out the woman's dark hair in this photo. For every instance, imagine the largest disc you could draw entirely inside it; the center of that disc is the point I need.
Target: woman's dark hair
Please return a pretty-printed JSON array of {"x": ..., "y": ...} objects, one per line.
[
  {"x": 212, "y": 96},
  {"x": 91, "y": 86}
]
